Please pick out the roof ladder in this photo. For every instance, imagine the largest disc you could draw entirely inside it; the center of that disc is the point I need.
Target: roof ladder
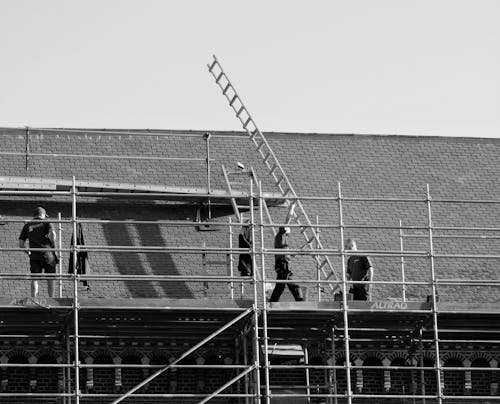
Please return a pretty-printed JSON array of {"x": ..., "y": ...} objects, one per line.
[{"x": 274, "y": 168}]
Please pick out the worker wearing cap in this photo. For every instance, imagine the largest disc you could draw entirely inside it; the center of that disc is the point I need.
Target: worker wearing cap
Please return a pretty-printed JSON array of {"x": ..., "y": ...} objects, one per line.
[
  {"x": 282, "y": 267},
  {"x": 40, "y": 234},
  {"x": 359, "y": 268}
]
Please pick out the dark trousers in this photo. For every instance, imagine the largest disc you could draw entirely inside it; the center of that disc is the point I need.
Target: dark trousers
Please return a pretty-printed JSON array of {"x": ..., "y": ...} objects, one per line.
[
  {"x": 359, "y": 293},
  {"x": 283, "y": 273}
]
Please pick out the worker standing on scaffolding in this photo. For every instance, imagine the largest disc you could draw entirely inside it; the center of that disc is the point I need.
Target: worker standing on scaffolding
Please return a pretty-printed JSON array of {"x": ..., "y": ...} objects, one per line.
[
  {"x": 245, "y": 260},
  {"x": 282, "y": 267},
  {"x": 359, "y": 268},
  {"x": 40, "y": 234}
]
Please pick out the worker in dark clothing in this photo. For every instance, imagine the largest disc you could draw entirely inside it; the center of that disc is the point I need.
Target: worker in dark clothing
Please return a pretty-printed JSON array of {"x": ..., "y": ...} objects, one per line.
[
  {"x": 359, "y": 268},
  {"x": 82, "y": 263},
  {"x": 245, "y": 261},
  {"x": 40, "y": 234},
  {"x": 281, "y": 262}
]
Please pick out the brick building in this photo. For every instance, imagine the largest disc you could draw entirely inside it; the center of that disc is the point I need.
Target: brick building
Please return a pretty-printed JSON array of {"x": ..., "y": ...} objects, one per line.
[{"x": 156, "y": 214}]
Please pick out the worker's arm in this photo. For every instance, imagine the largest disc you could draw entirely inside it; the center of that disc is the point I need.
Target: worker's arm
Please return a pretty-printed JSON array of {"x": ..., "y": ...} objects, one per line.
[
  {"x": 22, "y": 244},
  {"x": 52, "y": 236},
  {"x": 369, "y": 278}
]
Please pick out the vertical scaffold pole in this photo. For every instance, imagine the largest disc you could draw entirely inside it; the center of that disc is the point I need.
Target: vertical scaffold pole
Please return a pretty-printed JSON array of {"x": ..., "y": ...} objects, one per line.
[
  {"x": 308, "y": 374},
  {"x": 206, "y": 137},
  {"x": 59, "y": 247},
  {"x": 230, "y": 260},
  {"x": 344, "y": 300},
  {"x": 244, "y": 341},
  {"x": 76, "y": 341},
  {"x": 434, "y": 298},
  {"x": 318, "y": 269},
  {"x": 334, "y": 370},
  {"x": 401, "y": 245},
  {"x": 27, "y": 147},
  {"x": 264, "y": 303},
  {"x": 256, "y": 348}
]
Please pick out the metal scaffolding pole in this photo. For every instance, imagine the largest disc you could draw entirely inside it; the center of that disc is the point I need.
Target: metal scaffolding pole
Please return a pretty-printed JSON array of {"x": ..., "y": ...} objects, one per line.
[
  {"x": 434, "y": 299},
  {"x": 256, "y": 347},
  {"x": 264, "y": 298},
  {"x": 345, "y": 307},
  {"x": 401, "y": 244},
  {"x": 184, "y": 355},
  {"x": 75, "y": 297}
]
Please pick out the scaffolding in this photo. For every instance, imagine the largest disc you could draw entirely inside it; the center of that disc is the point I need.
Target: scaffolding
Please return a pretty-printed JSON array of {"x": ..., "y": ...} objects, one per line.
[{"x": 255, "y": 329}]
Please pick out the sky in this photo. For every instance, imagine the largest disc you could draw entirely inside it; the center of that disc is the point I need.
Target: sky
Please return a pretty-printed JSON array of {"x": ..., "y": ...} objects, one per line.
[{"x": 422, "y": 67}]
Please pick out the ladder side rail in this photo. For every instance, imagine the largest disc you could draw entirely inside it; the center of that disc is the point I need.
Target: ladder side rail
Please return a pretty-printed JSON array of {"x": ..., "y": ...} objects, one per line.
[
  {"x": 239, "y": 108},
  {"x": 233, "y": 200}
]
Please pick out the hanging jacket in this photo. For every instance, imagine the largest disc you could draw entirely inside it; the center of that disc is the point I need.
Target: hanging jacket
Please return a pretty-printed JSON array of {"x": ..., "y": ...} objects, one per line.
[{"x": 82, "y": 263}]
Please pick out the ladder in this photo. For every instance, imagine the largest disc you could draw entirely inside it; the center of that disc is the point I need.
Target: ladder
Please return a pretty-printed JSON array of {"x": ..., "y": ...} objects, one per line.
[
  {"x": 297, "y": 212},
  {"x": 231, "y": 183},
  {"x": 228, "y": 176}
]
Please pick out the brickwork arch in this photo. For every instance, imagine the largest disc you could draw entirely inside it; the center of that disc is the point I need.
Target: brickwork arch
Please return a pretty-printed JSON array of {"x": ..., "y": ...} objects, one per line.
[
  {"x": 18, "y": 378},
  {"x": 480, "y": 379},
  {"x": 161, "y": 383},
  {"x": 454, "y": 380},
  {"x": 373, "y": 379},
  {"x": 131, "y": 376},
  {"x": 47, "y": 378},
  {"x": 104, "y": 378}
]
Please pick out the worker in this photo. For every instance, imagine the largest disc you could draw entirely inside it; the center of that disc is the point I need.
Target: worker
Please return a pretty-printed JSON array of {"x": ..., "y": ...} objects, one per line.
[
  {"x": 282, "y": 267},
  {"x": 40, "y": 234},
  {"x": 359, "y": 268}
]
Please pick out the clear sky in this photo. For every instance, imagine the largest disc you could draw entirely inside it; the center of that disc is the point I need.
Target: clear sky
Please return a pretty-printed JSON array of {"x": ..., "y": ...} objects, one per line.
[{"x": 422, "y": 67}]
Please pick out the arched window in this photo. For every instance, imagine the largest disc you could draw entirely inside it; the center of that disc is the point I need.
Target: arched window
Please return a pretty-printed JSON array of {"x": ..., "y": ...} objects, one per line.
[
  {"x": 104, "y": 378},
  {"x": 131, "y": 377},
  {"x": 341, "y": 376},
  {"x": 454, "y": 380},
  {"x": 214, "y": 378},
  {"x": 400, "y": 378},
  {"x": 429, "y": 378},
  {"x": 318, "y": 379},
  {"x": 160, "y": 384},
  {"x": 373, "y": 379},
  {"x": 481, "y": 379},
  {"x": 18, "y": 376},
  {"x": 47, "y": 378}
]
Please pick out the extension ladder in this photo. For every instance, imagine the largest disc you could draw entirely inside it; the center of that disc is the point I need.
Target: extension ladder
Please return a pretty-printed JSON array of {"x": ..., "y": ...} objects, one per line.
[
  {"x": 230, "y": 184},
  {"x": 275, "y": 170}
]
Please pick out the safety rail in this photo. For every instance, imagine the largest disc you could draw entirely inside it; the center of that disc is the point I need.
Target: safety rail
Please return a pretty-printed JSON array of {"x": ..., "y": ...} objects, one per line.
[{"x": 261, "y": 316}]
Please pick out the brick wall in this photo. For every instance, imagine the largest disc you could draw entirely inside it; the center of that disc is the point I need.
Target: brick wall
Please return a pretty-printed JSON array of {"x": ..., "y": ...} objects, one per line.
[{"x": 366, "y": 166}]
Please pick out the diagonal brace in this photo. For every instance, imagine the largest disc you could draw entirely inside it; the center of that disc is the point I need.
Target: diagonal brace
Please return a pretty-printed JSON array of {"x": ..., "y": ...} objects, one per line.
[
  {"x": 185, "y": 354},
  {"x": 222, "y": 388}
]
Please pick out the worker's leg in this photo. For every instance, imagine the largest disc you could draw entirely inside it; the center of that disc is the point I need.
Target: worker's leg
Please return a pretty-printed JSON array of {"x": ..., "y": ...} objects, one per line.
[
  {"x": 279, "y": 287},
  {"x": 50, "y": 269},
  {"x": 35, "y": 268},
  {"x": 295, "y": 288},
  {"x": 34, "y": 288}
]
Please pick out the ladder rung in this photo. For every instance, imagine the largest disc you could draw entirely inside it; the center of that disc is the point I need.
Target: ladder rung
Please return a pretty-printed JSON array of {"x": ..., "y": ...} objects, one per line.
[
  {"x": 235, "y": 97},
  {"x": 210, "y": 68},
  {"x": 280, "y": 180},
  {"x": 254, "y": 133},
  {"x": 323, "y": 264},
  {"x": 247, "y": 122},
  {"x": 271, "y": 170},
  {"x": 242, "y": 108},
  {"x": 221, "y": 74},
  {"x": 267, "y": 157},
  {"x": 227, "y": 88},
  {"x": 259, "y": 146},
  {"x": 285, "y": 192}
]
